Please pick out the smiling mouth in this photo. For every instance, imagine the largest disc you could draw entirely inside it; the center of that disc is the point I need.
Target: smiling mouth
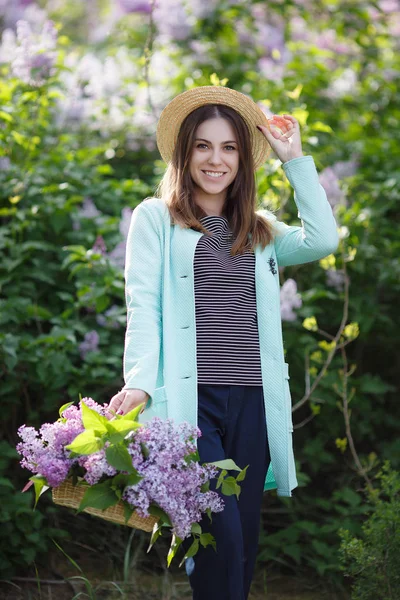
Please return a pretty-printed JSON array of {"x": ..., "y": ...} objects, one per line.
[{"x": 216, "y": 176}]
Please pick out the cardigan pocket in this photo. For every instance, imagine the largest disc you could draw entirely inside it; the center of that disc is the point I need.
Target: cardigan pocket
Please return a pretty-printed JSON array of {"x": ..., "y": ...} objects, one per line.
[
  {"x": 288, "y": 397},
  {"x": 157, "y": 406}
]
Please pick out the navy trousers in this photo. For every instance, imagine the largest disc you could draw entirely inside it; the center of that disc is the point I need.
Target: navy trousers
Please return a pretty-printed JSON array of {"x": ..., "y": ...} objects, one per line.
[{"x": 232, "y": 421}]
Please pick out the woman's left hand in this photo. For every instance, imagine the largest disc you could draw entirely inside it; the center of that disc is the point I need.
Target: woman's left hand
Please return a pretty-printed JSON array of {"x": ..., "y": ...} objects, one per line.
[{"x": 283, "y": 136}]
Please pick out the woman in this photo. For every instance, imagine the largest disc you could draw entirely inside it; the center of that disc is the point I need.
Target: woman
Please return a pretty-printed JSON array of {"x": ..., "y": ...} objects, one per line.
[{"x": 204, "y": 334}]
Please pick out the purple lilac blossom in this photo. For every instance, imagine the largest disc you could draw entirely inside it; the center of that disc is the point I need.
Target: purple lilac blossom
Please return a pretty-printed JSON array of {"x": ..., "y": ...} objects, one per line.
[
  {"x": 335, "y": 279},
  {"x": 13, "y": 10},
  {"x": 169, "y": 481},
  {"x": 99, "y": 245},
  {"x": 96, "y": 466},
  {"x": 43, "y": 452},
  {"x": 346, "y": 168},
  {"x": 330, "y": 182},
  {"x": 118, "y": 254},
  {"x": 90, "y": 343},
  {"x": 290, "y": 299},
  {"x": 172, "y": 20},
  {"x": 135, "y": 6},
  {"x": 108, "y": 318},
  {"x": 5, "y": 163},
  {"x": 35, "y": 55}
]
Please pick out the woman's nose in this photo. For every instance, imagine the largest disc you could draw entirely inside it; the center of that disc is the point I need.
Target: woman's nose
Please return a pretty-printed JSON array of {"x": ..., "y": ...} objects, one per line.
[{"x": 215, "y": 158}]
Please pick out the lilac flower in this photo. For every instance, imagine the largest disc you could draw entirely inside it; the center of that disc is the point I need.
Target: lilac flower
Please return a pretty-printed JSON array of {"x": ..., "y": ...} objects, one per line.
[
  {"x": 88, "y": 211},
  {"x": 335, "y": 279},
  {"x": 5, "y": 163},
  {"x": 345, "y": 168},
  {"x": 35, "y": 56},
  {"x": 99, "y": 245},
  {"x": 290, "y": 299},
  {"x": 330, "y": 182},
  {"x": 96, "y": 466},
  {"x": 345, "y": 83},
  {"x": 43, "y": 452},
  {"x": 118, "y": 254},
  {"x": 108, "y": 318},
  {"x": 172, "y": 20},
  {"x": 90, "y": 343},
  {"x": 168, "y": 479},
  {"x": 135, "y": 6},
  {"x": 55, "y": 470},
  {"x": 125, "y": 221},
  {"x": 8, "y": 46}
]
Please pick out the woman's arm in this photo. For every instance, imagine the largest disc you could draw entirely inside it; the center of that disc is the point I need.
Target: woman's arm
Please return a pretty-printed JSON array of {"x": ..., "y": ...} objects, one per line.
[
  {"x": 143, "y": 277},
  {"x": 318, "y": 236}
]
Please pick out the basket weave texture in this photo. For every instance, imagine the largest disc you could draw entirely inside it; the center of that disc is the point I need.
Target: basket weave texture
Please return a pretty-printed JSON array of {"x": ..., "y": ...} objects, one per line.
[{"x": 71, "y": 495}]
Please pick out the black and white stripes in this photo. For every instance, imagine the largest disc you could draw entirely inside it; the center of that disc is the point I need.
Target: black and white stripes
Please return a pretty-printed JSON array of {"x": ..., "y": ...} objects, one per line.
[{"x": 228, "y": 349}]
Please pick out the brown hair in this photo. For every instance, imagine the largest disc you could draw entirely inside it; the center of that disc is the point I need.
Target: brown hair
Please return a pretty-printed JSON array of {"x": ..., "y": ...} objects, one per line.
[{"x": 176, "y": 187}]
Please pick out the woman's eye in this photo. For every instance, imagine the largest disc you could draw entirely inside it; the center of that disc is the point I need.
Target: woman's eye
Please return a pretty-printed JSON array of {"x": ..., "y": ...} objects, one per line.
[{"x": 200, "y": 145}]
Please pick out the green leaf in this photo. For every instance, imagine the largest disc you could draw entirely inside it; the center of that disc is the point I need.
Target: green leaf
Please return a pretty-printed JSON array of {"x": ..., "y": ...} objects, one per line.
[
  {"x": 205, "y": 487},
  {"x": 193, "y": 457},
  {"x": 71, "y": 560},
  {"x": 175, "y": 543},
  {"x": 133, "y": 414},
  {"x": 196, "y": 528},
  {"x": 121, "y": 427},
  {"x": 228, "y": 463},
  {"x": 192, "y": 550},
  {"x": 158, "y": 512},
  {"x": 230, "y": 487},
  {"x": 145, "y": 450},
  {"x": 242, "y": 474},
  {"x": 128, "y": 511},
  {"x": 220, "y": 478},
  {"x": 206, "y": 539},
  {"x": 5, "y": 116},
  {"x": 99, "y": 496},
  {"x": 92, "y": 420},
  {"x": 64, "y": 407},
  {"x": 119, "y": 458},
  {"x": 122, "y": 480},
  {"x": 155, "y": 534},
  {"x": 85, "y": 443},
  {"x": 41, "y": 486}
]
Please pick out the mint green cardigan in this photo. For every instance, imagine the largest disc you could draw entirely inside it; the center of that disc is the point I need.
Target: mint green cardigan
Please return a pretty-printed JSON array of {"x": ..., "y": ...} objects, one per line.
[{"x": 160, "y": 339}]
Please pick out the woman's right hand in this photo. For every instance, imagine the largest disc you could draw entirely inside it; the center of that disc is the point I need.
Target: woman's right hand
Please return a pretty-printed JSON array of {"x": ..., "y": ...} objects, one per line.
[{"x": 127, "y": 400}]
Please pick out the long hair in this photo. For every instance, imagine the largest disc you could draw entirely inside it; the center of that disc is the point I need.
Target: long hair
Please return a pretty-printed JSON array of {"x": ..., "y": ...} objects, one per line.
[{"x": 176, "y": 187}]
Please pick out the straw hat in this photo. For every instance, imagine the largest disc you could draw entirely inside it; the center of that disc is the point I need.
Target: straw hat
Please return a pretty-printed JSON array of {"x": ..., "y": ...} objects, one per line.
[{"x": 177, "y": 109}]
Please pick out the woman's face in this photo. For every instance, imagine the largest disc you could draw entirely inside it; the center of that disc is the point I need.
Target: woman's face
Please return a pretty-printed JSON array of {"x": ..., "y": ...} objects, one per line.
[{"x": 215, "y": 150}]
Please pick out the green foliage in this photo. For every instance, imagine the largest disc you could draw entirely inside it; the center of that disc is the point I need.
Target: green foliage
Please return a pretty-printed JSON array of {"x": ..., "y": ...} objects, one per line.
[
  {"x": 24, "y": 534},
  {"x": 372, "y": 559}
]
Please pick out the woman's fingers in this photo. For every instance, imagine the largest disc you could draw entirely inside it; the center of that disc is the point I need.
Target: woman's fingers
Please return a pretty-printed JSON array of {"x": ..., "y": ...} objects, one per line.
[
  {"x": 132, "y": 399},
  {"x": 115, "y": 403},
  {"x": 129, "y": 405}
]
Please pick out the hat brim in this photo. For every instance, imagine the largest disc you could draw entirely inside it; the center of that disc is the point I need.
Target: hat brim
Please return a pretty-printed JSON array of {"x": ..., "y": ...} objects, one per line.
[{"x": 183, "y": 104}]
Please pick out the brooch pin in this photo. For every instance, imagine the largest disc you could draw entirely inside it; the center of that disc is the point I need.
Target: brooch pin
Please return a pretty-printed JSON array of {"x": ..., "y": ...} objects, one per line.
[{"x": 272, "y": 265}]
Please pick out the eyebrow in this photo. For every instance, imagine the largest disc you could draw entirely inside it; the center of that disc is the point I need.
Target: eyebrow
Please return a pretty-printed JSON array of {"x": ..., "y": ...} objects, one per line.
[{"x": 208, "y": 141}]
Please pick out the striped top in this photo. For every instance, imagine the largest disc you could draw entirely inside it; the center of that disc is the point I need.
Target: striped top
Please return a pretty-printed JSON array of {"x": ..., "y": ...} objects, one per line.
[{"x": 228, "y": 348}]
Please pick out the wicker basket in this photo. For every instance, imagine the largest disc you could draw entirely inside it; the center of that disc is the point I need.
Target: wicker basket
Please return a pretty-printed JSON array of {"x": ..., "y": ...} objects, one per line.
[{"x": 71, "y": 495}]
